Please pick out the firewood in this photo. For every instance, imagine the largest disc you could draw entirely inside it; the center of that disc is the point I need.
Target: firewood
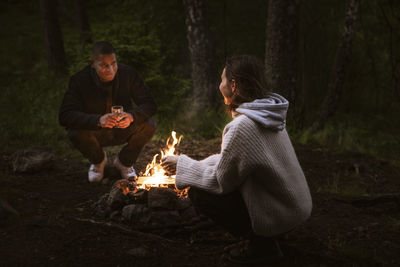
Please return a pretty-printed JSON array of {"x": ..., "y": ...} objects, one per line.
[
  {"x": 368, "y": 201},
  {"x": 127, "y": 230}
]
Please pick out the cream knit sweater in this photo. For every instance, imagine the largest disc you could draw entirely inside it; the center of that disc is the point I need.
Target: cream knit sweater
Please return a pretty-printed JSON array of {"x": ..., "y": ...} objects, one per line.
[{"x": 260, "y": 161}]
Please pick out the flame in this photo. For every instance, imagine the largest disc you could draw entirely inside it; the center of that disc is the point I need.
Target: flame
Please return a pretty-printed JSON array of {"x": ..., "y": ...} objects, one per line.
[{"x": 155, "y": 175}]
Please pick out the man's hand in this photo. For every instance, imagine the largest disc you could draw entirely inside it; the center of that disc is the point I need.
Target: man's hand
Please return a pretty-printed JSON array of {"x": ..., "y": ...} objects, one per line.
[
  {"x": 108, "y": 120},
  {"x": 124, "y": 120},
  {"x": 169, "y": 164}
]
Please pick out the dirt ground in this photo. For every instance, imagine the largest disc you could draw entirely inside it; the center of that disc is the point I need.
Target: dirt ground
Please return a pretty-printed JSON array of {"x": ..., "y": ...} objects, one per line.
[{"x": 57, "y": 226}]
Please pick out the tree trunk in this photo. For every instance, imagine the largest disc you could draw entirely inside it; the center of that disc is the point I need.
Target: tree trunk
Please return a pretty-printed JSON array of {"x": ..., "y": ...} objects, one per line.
[
  {"x": 52, "y": 33},
  {"x": 201, "y": 57},
  {"x": 335, "y": 87},
  {"x": 393, "y": 42},
  {"x": 83, "y": 21},
  {"x": 282, "y": 44}
]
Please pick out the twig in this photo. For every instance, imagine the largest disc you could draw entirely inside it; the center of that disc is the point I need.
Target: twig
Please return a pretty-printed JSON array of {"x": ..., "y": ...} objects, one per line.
[
  {"x": 126, "y": 229},
  {"x": 372, "y": 200}
]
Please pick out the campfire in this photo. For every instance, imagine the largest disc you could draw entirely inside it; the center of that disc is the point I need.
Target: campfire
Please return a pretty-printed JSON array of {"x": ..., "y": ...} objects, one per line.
[
  {"x": 152, "y": 201},
  {"x": 155, "y": 175}
]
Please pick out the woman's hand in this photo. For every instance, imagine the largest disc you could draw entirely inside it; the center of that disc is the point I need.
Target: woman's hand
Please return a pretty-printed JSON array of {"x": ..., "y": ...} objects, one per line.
[{"x": 169, "y": 164}]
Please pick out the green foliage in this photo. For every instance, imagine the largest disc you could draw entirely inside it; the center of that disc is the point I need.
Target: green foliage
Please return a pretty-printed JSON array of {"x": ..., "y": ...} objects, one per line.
[
  {"x": 151, "y": 37},
  {"x": 354, "y": 191},
  {"x": 209, "y": 124},
  {"x": 29, "y": 112},
  {"x": 20, "y": 35},
  {"x": 337, "y": 184},
  {"x": 332, "y": 184},
  {"x": 394, "y": 224},
  {"x": 34, "y": 97},
  {"x": 370, "y": 134},
  {"x": 348, "y": 249},
  {"x": 356, "y": 250}
]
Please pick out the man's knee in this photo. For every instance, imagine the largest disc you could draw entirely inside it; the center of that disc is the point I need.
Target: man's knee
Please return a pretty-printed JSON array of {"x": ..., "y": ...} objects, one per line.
[
  {"x": 78, "y": 136},
  {"x": 147, "y": 128},
  {"x": 151, "y": 126}
]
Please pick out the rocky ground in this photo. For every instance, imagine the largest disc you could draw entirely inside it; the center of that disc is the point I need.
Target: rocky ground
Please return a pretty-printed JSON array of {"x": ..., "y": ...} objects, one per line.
[{"x": 47, "y": 218}]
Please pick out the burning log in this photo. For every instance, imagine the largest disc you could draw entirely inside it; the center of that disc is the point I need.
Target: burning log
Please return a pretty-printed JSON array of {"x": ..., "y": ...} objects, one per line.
[{"x": 155, "y": 175}]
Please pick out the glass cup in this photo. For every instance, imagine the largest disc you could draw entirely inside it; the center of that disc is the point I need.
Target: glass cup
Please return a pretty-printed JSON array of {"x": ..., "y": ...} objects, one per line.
[{"x": 117, "y": 111}]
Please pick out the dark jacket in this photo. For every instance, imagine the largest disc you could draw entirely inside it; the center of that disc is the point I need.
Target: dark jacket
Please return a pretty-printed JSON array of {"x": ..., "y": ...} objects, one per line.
[{"x": 86, "y": 99}]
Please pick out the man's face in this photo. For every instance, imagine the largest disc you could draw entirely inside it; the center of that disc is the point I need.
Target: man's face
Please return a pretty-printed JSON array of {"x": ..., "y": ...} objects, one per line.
[{"x": 105, "y": 66}]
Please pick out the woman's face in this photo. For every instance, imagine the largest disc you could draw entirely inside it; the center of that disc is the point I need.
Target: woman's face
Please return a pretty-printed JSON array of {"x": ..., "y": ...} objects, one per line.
[{"x": 226, "y": 88}]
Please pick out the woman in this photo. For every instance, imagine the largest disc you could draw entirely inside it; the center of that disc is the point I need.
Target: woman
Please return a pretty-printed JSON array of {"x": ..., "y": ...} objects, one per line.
[{"x": 255, "y": 186}]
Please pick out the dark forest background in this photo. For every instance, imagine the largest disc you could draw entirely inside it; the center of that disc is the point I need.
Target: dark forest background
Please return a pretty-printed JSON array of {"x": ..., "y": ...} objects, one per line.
[{"x": 361, "y": 68}]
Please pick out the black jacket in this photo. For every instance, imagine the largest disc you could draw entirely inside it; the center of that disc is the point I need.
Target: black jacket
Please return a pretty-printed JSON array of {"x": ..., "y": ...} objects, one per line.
[{"x": 86, "y": 100}]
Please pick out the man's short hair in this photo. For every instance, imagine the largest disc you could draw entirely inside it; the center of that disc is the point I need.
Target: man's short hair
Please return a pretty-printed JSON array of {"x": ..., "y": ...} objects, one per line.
[{"x": 102, "y": 48}]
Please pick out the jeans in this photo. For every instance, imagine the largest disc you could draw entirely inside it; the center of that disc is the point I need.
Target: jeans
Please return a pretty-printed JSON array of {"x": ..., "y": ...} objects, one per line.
[{"x": 91, "y": 142}]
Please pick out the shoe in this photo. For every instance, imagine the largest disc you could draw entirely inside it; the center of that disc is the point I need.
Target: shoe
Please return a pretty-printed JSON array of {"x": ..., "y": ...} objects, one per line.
[
  {"x": 250, "y": 254},
  {"x": 126, "y": 172},
  {"x": 96, "y": 171}
]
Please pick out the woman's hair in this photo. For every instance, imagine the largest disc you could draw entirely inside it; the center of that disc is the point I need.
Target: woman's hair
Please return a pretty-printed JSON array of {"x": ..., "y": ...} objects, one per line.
[{"x": 249, "y": 75}]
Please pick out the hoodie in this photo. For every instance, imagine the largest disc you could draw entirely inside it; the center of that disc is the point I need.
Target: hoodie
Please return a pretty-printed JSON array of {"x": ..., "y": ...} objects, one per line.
[
  {"x": 270, "y": 112},
  {"x": 258, "y": 160}
]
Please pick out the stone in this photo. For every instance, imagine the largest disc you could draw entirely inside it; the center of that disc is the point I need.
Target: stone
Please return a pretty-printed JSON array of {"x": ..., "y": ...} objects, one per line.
[
  {"x": 101, "y": 208},
  {"x": 165, "y": 217},
  {"x": 117, "y": 199},
  {"x": 136, "y": 213},
  {"x": 161, "y": 197},
  {"x": 188, "y": 214},
  {"x": 184, "y": 203},
  {"x": 33, "y": 159},
  {"x": 115, "y": 215},
  {"x": 139, "y": 197}
]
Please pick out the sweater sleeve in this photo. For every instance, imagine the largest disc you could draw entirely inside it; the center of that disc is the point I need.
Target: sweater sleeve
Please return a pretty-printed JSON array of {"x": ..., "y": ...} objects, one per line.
[
  {"x": 71, "y": 113},
  {"x": 221, "y": 173}
]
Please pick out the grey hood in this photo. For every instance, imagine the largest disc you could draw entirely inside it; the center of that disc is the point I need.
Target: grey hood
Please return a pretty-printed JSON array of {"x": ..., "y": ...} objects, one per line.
[{"x": 270, "y": 112}]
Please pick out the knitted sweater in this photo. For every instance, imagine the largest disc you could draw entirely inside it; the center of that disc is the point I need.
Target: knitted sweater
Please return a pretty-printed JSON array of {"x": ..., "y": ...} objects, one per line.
[{"x": 258, "y": 159}]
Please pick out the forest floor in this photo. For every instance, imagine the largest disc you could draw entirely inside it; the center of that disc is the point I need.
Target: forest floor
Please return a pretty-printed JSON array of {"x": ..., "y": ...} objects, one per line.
[{"x": 57, "y": 227}]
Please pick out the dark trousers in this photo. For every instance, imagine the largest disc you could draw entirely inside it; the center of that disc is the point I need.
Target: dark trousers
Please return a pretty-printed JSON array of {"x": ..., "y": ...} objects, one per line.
[
  {"x": 91, "y": 142},
  {"x": 229, "y": 211}
]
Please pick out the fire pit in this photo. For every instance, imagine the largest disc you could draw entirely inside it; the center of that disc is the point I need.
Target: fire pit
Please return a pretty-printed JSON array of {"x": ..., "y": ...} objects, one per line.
[
  {"x": 152, "y": 208},
  {"x": 151, "y": 201}
]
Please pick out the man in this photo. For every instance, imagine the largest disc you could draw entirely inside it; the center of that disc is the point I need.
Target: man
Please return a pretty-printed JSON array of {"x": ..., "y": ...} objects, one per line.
[{"x": 86, "y": 112}]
